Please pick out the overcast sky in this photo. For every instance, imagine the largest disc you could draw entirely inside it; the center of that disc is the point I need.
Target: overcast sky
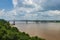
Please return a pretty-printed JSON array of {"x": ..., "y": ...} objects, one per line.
[{"x": 30, "y": 9}]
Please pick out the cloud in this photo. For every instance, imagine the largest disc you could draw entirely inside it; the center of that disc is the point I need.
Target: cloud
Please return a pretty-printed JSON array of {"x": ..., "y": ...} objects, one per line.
[
  {"x": 49, "y": 15},
  {"x": 33, "y": 9},
  {"x": 46, "y": 15},
  {"x": 28, "y": 2},
  {"x": 2, "y": 12},
  {"x": 14, "y": 3},
  {"x": 36, "y": 9},
  {"x": 31, "y": 16},
  {"x": 51, "y": 5}
]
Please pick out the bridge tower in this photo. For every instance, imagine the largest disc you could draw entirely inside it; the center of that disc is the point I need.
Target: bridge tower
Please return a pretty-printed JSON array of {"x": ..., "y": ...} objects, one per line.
[
  {"x": 37, "y": 21},
  {"x": 26, "y": 21},
  {"x": 13, "y": 22}
]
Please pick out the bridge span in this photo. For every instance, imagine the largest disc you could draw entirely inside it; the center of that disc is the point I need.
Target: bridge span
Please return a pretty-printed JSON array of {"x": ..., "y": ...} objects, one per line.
[{"x": 36, "y": 21}]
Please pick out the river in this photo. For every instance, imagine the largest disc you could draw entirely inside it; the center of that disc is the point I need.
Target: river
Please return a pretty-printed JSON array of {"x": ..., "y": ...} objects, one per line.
[{"x": 48, "y": 31}]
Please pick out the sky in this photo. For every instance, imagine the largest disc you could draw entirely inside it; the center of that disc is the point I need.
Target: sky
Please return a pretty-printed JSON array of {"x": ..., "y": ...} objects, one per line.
[{"x": 30, "y": 9}]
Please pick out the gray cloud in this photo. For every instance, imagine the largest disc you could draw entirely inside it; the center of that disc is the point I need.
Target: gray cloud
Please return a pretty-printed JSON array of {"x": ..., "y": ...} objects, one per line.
[{"x": 52, "y": 5}]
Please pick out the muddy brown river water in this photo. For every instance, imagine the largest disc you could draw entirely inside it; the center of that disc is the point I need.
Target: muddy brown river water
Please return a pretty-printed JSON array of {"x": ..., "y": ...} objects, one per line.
[{"x": 49, "y": 31}]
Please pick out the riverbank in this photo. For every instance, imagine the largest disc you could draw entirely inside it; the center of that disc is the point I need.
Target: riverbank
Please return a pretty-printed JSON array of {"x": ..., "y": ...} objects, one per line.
[{"x": 7, "y": 32}]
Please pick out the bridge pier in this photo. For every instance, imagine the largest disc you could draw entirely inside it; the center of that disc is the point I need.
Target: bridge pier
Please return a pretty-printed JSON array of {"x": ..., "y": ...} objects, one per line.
[
  {"x": 37, "y": 22},
  {"x": 26, "y": 22},
  {"x": 13, "y": 22}
]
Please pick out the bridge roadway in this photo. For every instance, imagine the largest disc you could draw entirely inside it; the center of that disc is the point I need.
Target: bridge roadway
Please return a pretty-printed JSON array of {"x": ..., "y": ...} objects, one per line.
[{"x": 35, "y": 20}]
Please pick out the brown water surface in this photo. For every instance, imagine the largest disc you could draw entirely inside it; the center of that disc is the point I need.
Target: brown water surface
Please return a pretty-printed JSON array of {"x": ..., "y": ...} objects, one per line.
[{"x": 49, "y": 31}]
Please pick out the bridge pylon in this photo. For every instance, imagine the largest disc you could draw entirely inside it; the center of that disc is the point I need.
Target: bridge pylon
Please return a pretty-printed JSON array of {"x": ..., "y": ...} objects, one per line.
[{"x": 13, "y": 22}]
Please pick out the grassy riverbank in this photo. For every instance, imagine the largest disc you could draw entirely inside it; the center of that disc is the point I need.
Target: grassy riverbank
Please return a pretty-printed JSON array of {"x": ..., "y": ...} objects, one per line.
[{"x": 12, "y": 33}]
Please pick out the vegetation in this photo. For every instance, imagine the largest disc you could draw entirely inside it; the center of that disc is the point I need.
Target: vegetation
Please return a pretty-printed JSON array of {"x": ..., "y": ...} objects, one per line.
[{"x": 12, "y": 33}]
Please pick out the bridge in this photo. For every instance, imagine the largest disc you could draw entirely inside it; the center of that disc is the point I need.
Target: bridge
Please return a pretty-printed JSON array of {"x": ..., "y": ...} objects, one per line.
[{"x": 36, "y": 21}]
